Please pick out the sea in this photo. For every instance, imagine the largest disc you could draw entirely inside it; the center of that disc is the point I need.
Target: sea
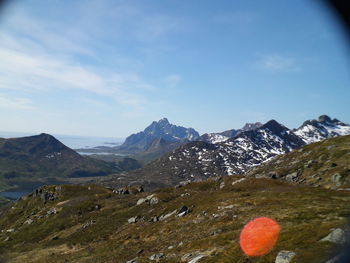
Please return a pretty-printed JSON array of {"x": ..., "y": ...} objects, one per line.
[{"x": 72, "y": 141}]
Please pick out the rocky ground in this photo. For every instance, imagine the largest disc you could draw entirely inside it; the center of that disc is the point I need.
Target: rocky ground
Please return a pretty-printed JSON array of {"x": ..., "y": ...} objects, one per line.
[{"x": 195, "y": 222}]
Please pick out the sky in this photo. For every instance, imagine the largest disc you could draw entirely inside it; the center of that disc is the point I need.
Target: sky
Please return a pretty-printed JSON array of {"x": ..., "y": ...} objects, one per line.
[{"x": 111, "y": 67}]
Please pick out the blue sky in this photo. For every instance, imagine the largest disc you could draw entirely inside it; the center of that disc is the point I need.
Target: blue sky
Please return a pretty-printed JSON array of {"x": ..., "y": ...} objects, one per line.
[{"x": 109, "y": 67}]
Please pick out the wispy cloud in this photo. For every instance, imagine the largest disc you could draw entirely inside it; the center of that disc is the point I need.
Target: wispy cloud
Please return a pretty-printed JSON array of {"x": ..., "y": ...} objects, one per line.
[
  {"x": 16, "y": 103},
  {"x": 277, "y": 63}
]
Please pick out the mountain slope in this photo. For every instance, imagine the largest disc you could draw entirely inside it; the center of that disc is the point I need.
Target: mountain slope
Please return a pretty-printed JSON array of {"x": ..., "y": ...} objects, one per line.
[
  {"x": 43, "y": 156},
  {"x": 323, "y": 128},
  {"x": 321, "y": 164}
]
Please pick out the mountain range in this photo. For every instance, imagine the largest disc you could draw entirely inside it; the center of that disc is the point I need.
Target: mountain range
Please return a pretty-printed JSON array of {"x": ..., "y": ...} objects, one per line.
[{"x": 198, "y": 160}]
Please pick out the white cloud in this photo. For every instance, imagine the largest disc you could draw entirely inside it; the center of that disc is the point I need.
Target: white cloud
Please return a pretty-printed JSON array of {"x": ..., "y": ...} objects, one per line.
[
  {"x": 22, "y": 70},
  {"x": 16, "y": 103},
  {"x": 277, "y": 63}
]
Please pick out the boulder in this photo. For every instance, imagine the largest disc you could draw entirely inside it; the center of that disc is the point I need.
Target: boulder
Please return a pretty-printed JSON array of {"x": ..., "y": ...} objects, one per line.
[
  {"x": 154, "y": 200},
  {"x": 337, "y": 236},
  {"x": 132, "y": 220},
  {"x": 141, "y": 201},
  {"x": 184, "y": 210},
  {"x": 285, "y": 256}
]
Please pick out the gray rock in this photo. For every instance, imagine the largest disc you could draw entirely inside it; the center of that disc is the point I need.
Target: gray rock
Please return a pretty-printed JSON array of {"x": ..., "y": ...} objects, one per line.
[
  {"x": 154, "y": 200},
  {"x": 285, "y": 256},
  {"x": 132, "y": 220},
  {"x": 157, "y": 257},
  {"x": 291, "y": 177},
  {"x": 197, "y": 258},
  {"x": 141, "y": 201},
  {"x": 222, "y": 185},
  {"x": 184, "y": 210},
  {"x": 52, "y": 211},
  {"x": 193, "y": 257},
  {"x": 163, "y": 217},
  {"x": 29, "y": 221},
  {"x": 336, "y": 179},
  {"x": 133, "y": 261},
  {"x": 337, "y": 236}
]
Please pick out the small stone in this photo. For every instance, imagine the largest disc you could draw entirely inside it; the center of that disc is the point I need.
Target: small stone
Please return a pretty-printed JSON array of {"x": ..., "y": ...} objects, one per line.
[
  {"x": 170, "y": 247},
  {"x": 285, "y": 256},
  {"x": 337, "y": 236},
  {"x": 29, "y": 221},
  {"x": 291, "y": 177},
  {"x": 222, "y": 185},
  {"x": 157, "y": 257},
  {"x": 55, "y": 238},
  {"x": 132, "y": 220},
  {"x": 336, "y": 179},
  {"x": 51, "y": 211}
]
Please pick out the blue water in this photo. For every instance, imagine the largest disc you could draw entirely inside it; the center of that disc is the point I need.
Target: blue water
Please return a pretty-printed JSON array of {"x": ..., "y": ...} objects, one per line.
[
  {"x": 13, "y": 195},
  {"x": 72, "y": 141}
]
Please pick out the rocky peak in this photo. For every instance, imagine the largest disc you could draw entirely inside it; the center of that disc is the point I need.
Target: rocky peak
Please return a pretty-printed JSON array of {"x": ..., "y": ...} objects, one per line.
[
  {"x": 251, "y": 126},
  {"x": 324, "y": 118},
  {"x": 275, "y": 127}
]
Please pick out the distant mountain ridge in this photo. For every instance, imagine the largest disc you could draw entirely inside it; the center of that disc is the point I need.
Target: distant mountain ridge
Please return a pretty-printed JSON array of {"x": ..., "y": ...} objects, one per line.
[
  {"x": 225, "y": 135},
  {"x": 43, "y": 156},
  {"x": 162, "y": 129}
]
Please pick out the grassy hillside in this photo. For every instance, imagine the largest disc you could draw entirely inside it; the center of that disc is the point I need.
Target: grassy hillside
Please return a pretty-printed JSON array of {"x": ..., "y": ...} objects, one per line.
[
  {"x": 28, "y": 161},
  {"x": 90, "y": 223},
  {"x": 322, "y": 164}
]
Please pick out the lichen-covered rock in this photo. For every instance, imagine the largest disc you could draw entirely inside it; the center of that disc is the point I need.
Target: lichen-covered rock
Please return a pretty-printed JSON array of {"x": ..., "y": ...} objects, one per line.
[
  {"x": 337, "y": 236},
  {"x": 285, "y": 256}
]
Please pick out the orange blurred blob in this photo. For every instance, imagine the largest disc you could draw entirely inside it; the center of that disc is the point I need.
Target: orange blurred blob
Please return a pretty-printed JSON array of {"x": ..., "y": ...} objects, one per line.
[{"x": 259, "y": 236}]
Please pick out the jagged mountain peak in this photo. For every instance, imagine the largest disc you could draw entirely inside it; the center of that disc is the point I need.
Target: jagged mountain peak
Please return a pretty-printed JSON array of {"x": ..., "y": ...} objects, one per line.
[
  {"x": 161, "y": 129},
  {"x": 322, "y": 128}
]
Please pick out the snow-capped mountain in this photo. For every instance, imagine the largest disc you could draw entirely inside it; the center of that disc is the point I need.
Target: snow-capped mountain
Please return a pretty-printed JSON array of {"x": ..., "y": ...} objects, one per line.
[
  {"x": 162, "y": 129},
  {"x": 197, "y": 160},
  {"x": 223, "y": 136},
  {"x": 323, "y": 128}
]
